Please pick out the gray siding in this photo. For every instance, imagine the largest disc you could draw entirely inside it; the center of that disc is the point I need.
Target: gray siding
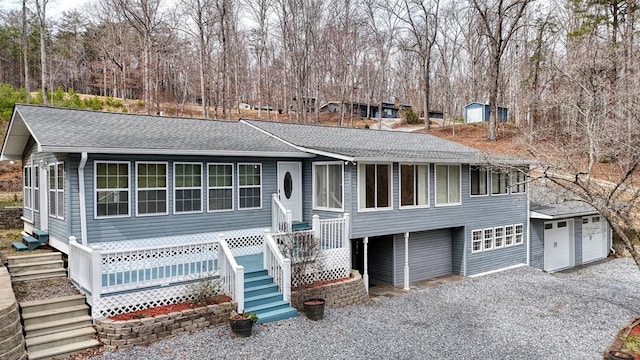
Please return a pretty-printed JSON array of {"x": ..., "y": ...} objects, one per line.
[
  {"x": 474, "y": 213},
  {"x": 429, "y": 255},
  {"x": 381, "y": 261},
  {"x": 137, "y": 227},
  {"x": 457, "y": 251},
  {"x": 536, "y": 255}
]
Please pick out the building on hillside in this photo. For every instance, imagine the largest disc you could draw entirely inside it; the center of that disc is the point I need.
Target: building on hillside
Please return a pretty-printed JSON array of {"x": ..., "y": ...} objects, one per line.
[{"x": 477, "y": 112}]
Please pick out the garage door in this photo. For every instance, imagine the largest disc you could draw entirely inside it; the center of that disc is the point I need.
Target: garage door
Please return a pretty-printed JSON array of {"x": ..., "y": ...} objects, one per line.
[
  {"x": 594, "y": 240},
  {"x": 558, "y": 245},
  {"x": 429, "y": 255}
]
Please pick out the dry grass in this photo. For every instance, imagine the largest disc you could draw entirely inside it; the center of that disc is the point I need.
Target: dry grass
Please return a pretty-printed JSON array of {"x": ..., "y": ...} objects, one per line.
[{"x": 9, "y": 236}]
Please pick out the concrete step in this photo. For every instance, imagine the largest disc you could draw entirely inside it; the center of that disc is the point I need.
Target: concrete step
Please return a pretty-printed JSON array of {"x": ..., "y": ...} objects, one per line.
[
  {"x": 54, "y": 314},
  {"x": 63, "y": 351},
  {"x": 39, "y": 274},
  {"x": 41, "y": 265},
  {"x": 260, "y": 290},
  {"x": 262, "y": 299},
  {"x": 61, "y": 338},
  {"x": 20, "y": 259},
  {"x": 29, "y": 307},
  {"x": 56, "y": 326},
  {"x": 276, "y": 315}
]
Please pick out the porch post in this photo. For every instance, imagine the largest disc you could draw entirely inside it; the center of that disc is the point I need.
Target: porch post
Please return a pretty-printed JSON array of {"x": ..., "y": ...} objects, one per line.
[
  {"x": 365, "y": 276},
  {"x": 347, "y": 235},
  {"x": 315, "y": 226},
  {"x": 219, "y": 238},
  {"x": 265, "y": 248},
  {"x": 406, "y": 260},
  {"x": 96, "y": 273}
]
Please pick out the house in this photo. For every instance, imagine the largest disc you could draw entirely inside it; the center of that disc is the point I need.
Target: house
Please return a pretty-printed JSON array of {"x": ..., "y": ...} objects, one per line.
[
  {"x": 365, "y": 110},
  {"x": 478, "y": 112},
  {"x": 143, "y": 204},
  {"x": 565, "y": 233}
]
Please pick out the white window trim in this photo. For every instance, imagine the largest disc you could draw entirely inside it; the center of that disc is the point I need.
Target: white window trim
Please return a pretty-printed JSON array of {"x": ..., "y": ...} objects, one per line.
[
  {"x": 233, "y": 194},
  {"x": 56, "y": 190},
  {"x": 313, "y": 185},
  {"x": 27, "y": 189},
  {"x": 481, "y": 240},
  {"x": 428, "y": 205},
  {"x": 35, "y": 180},
  {"x": 508, "y": 187},
  {"x": 493, "y": 237},
  {"x": 436, "y": 185},
  {"x": 484, "y": 247},
  {"x": 166, "y": 187},
  {"x": 201, "y": 187},
  {"x": 515, "y": 234},
  {"x": 515, "y": 186},
  {"x": 374, "y": 209},
  {"x": 487, "y": 180},
  {"x": 250, "y": 186},
  {"x": 95, "y": 189},
  {"x": 495, "y": 244}
]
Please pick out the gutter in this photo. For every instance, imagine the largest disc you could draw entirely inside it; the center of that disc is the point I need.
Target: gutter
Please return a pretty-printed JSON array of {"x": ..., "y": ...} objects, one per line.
[
  {"x": 528, "y": 226},
  {"x": 81, "y": 195}
]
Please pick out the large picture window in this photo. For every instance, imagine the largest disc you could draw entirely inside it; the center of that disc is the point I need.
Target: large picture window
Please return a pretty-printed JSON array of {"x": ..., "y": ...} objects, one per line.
[
  {"x": 250, "y": 186},
  {"x": 220, "y": 187},
  {"x": 187, "y": 187},
  {"x": 327, "y": 186},
  {"x": 447, "y": 184},
  {"x": 152, "y": 188},
  {"x": 478, "y": 181},
  {"x": 499, "y": 182},
  {"x": 374, "y": 186},
  {"x": 112, "y": 188},
  {"x": 414, "y": 185},
  {"x": 56, "y": 190}
]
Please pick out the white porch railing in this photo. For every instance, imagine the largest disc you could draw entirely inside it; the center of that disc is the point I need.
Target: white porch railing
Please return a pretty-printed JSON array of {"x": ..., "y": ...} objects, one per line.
[
  {"x": 231, "y": 273},
  {"x": 281, "y": 218},
  {"x": 333, "y": 233},
  {"x": 277, "y": 265},
  {"x": 81, "y": 268}
]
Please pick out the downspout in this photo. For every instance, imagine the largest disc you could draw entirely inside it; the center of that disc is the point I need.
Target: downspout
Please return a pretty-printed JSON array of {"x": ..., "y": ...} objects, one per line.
[
  {"x": 528, "y": 227},
  {"x": 81, "y": 195}
]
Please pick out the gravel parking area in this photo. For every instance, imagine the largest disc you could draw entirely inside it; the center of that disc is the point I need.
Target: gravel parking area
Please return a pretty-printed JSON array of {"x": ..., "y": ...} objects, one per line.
[{"x": 517, "y": 314}]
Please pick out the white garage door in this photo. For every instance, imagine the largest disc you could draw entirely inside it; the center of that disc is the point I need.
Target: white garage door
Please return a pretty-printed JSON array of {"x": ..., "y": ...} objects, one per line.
[
  {"x": 594, "y": 240},
  {"x": 558, "y": 245}
]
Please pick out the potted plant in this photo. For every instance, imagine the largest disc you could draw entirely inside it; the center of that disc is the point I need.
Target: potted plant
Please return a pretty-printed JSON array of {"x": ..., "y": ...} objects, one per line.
[
  {"x": 242, "y": 323},
  {"x": 314, "y": 308}
]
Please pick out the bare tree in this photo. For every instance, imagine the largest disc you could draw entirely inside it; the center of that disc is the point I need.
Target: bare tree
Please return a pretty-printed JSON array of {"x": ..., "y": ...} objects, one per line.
[
  {"x": 41, "y": 7},
  {"x": 25, "y": 51}
]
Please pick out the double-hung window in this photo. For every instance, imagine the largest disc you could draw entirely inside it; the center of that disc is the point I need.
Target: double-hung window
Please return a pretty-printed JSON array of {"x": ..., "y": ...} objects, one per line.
[
  {"x": 519, "y": 236},
  {"x": 36, "y": 188},
  {"x": 488, "y": 239},
  {"x": 249, "y": 186},
  {"x": 499, "y": 182},
  {"x": 476, "y": 241},
  {"x": 112, "y": 189},
  {"x": 374, "y": 186},
  {"x": 56, "y": 190},
  {"x": 447, "y": 184},
  {"x": 498, "y": 233},
  {"x": 152, "y": 188},
  {"x": 220, "y": 187},
  {"x": 327, "y": 186},
  {"x": 508, "y": 239},
  {"x": 27, "y": 187},
  {"x": 518, "y": 181},
  {"x": 414, "y": 185},
  {"x": 187, "y": 189},
  {"x": 478, "y": 181}
]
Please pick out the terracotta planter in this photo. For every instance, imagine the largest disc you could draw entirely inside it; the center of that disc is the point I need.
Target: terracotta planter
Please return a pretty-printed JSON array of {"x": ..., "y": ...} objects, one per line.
[
  {"x": 241, "y": 327},
  {"x": 314, "y": 308}
]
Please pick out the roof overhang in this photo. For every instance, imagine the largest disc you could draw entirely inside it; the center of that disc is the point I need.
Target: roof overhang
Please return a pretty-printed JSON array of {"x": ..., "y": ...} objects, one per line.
[
  {"x": 542, "y": 216},
  {"x": 129, "y": 151},
  {"x": 16, "y": 138}
]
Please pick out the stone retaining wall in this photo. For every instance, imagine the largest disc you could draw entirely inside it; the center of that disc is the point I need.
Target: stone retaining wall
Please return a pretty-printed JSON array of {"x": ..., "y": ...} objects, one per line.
[
  {"x": 344, "y": 293},
  {"x": 10, "y": 217},
  {"x": 127, "y": 333},
  {"x": 11, "y": 339}
]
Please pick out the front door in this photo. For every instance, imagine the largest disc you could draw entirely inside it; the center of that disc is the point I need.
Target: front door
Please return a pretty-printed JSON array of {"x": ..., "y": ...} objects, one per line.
[{"x": 290, "y": 187}]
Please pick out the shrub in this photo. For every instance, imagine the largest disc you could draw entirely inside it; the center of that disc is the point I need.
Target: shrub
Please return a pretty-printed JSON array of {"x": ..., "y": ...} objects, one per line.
[
  {"x": 410, "y": 116},
  {"x": 206, "y": 292}
]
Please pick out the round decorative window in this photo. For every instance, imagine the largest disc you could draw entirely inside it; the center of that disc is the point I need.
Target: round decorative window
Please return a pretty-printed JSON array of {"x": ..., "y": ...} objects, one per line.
[{"x": 288, "y": 185}]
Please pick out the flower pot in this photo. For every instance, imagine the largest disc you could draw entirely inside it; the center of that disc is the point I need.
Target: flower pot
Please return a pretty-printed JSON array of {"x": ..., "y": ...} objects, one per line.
[
  {"x": 314, "y": 308},
  {"x": 241, "y": 327},
  {"x": 620, "y": 355}
]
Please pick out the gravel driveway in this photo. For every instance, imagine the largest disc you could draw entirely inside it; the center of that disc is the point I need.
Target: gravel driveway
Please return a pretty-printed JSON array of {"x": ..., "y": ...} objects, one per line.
[{"x": 516, "y": 314}]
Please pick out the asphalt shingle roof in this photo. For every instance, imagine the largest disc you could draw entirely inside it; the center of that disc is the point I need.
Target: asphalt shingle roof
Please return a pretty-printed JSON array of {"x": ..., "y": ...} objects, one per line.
[
  {"x": 103, "y": 131},
  {"x": 364, "y": 144},
  {"x": 556, "y": 203}
]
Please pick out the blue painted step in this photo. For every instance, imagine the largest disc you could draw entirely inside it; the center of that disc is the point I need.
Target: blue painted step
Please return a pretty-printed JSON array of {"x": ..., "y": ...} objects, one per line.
[
  {"x": 300, "y": 226},
  {"x": 31, "y": 242},
  {"x": 41, "y": 235},
  {"x": 263, "y": 298},
  {"x": 19, "y": 246}
]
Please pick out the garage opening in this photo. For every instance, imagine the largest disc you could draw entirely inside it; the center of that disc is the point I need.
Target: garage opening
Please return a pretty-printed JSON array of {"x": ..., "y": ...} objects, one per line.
[
  {"x": 558, "y": 245},
  {"x": 430, "y": 255},
  {"x": 380, "y": 254},
  {"x": 594, "y": 239}
]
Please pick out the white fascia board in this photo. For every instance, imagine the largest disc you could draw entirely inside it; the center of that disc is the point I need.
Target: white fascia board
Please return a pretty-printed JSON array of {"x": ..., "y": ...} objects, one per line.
[
  {"x": 537, "y": 215},
  {"x": 19, "y": 132},
  {"x": 63, "y": 149},
  {"x": 410, "y": 160}
]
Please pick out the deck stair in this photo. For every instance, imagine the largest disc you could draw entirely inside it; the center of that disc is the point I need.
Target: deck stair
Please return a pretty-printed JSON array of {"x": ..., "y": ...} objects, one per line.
[
  {"x": 57, "y": 328},
  {"x": 31, "y": 241},
  {"x": 36, "y": 267},
  {"x": 261, "y": 296}
]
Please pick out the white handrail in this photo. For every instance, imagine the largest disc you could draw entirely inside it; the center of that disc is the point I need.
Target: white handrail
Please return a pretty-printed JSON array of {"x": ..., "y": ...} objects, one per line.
[
  {"x": 231, "y": 273},
  {"x": 277, "y": 265},
  {"x": 281, "y": 218}
]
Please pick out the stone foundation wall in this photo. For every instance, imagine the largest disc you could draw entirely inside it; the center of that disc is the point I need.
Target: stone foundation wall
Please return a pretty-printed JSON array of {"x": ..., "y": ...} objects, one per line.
[
  {"x": 350, "y": 292},
  {"x": 127, "y": 333},
  {"x": 10, "y": 218},
  {"x": 11, "y": 339}
]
